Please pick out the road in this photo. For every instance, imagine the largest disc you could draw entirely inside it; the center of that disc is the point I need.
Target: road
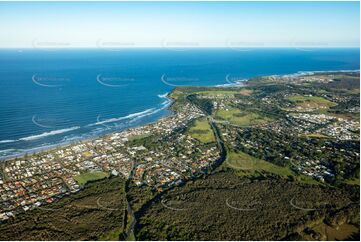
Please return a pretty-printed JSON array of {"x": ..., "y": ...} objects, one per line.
[
  {"x": 130, "y": 212},
  {"x": 223, "y": 155}
]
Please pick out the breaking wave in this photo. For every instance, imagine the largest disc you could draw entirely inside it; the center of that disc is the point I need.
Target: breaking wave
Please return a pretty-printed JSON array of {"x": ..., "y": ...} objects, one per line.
[
  {"x": 305, "y": 73},
  {"x": 45, "y": 134},
  {"x": 112, "y": 120},
  {"x": 6, "y": 141},
  {"x": 163, "y": 95}
]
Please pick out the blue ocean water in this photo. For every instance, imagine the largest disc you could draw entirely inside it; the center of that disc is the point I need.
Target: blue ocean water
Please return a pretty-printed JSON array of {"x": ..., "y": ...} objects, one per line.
[{"x": 50, "y": 97}]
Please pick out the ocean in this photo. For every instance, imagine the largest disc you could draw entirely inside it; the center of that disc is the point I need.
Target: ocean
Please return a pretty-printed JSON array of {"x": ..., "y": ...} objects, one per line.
[{"x": 50, "y": 97}]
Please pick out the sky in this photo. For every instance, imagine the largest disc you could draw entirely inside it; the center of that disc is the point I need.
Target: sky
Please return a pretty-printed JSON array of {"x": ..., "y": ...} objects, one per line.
[{"x": 176, "y": 24}]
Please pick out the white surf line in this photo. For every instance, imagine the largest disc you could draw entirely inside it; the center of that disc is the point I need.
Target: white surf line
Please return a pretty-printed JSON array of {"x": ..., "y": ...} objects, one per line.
[
  {"x": 129, "y": 116},
  {"x": 239, "y": 209},
  {"x": 102, "y": 122},
  {"x": 7, "y": 141},
  {"x": 307, "y": 73},
  {"x": 163, "y": 95},
  {"x": 50, "y": 133}
]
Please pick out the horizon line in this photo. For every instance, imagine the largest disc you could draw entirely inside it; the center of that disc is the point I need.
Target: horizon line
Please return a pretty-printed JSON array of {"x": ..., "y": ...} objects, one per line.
[{"x": 183, "y": 47}]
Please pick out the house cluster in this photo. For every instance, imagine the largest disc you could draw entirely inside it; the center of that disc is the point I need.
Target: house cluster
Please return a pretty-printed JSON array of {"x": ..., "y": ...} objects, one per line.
[
  {"x": 302, "y": 164},
  {"x": 291, "y": 125},
  {"x": 22, "y": 195},
  {"x": 42, "y": 178},
  {"x": 300, "y": 78},
  {"x": 176, "y": 158},
  {"x": 314, "y": 169},
  {"x": 315, "y": 79},
  {"x": 312, "y": 118},
  {"x": 337, "y": 128},
  {"x": 342, "y": 130},
  {"x": 180, "y": 158},
  {"x": 224, "y": 101},
  {"x": 166, "y": 125}
]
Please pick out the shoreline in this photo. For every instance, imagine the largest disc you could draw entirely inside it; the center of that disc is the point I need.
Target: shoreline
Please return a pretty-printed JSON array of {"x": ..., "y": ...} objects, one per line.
[
  {"x": 53, "y": 147},
  {"x": 239, "y": 83}
]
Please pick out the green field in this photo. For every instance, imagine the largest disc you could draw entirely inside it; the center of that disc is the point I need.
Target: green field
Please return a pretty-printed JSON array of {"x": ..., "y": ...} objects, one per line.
[
  {"x": 218, "y": 93},
  {"x": 224, "y": 93},
  {"x": 241, "y": 118},
  {"x": 83, "y": 178},
  {"x": 176, "y": 94},
  {"x": 202, "y": 131},
  {"x": 311, "y": 102},
  {"x": 244, "y": 162},
  {"x": 112, "y": 235},
  {"x": 249, "y": 165}
]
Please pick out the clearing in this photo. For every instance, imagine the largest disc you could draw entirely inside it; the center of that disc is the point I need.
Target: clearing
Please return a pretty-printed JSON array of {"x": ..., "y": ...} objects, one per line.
[
  {"x": 310, "y": 102},
  {"x": 86, "y": 177},
  {"x": 241, "y": 118},
  {"x": 202, "y": 131}
]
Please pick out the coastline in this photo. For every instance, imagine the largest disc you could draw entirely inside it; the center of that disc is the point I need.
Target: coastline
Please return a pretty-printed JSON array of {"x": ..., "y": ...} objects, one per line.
[
  {"x": 237, "y": 83},
  {"x": 61, "y": 145}
]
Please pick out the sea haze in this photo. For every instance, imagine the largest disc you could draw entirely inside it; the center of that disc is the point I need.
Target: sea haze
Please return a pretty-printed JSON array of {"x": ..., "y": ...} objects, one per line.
[{"x": 50, "y": 97}]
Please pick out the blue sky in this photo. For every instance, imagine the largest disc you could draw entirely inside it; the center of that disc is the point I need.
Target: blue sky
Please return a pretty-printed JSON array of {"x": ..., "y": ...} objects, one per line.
[{"x": 190, "y": 24}]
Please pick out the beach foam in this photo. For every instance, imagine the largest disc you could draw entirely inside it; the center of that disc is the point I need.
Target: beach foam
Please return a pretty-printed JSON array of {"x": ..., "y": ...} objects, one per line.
[
  {"x": 129, "y": 116},
  {"x": 7, "y": 141},
  {"x": 45, "y": 134},
  {"x": 163, "y": 95}
]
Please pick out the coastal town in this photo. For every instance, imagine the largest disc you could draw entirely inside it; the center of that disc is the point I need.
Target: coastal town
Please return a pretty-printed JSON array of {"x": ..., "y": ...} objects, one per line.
[
  {"x": 288, "y": 125},
  {"x": 43, "y": 178}
]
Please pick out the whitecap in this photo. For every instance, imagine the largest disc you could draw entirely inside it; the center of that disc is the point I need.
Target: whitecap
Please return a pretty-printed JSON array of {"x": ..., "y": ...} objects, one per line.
[
  {"x": 163, "y": 95},
  {"x": 7, "y": 141},
  {"x": 111, "y": 120},
  {"x": 45, "y": 134}
]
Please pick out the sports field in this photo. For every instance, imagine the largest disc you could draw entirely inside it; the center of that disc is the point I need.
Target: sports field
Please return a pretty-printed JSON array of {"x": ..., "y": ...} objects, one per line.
[{"x": 83, "y": 178}]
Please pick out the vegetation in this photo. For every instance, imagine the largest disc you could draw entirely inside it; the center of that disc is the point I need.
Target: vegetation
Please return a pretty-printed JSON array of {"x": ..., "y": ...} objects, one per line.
[
  {"x": 92, "y": 214},
  {"x": 86, "y": 177},
  {"x": 202, "y": 131},
  {"x": 248, "y": 164},
  {"x": 226, "y": 207},
  {"x": 205, "y": 104},
  {"x": 285, "y": 150},
  {"x": 311, "y": 102},
  {"x": 113, "y": 235},
  {"x": 216, "y": 93},
  {"x": 268, "y": 187},
  {"x": 237, "y": 117},
  {"x": 136, "y": 137}
]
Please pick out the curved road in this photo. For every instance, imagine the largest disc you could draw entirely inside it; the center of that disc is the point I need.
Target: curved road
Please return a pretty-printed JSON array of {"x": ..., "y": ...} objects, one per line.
[{"x": 223, "y": 155}]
